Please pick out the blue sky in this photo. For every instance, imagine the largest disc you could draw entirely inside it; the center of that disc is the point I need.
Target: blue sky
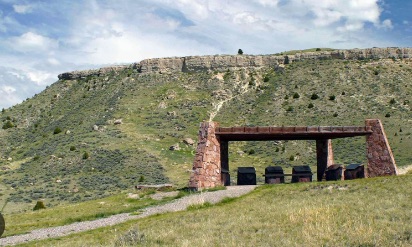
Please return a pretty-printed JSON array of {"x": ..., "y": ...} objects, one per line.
[{"x": 40, "y": 39}]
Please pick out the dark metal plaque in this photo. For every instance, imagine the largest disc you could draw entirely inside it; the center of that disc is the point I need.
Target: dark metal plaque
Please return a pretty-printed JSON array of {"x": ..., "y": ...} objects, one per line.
[{"x": 2, "y": 224}]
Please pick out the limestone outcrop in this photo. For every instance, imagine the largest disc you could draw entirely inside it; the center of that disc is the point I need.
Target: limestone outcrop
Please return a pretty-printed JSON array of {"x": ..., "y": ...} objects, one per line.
[
  {"x": 92, "y": 72},
  {"x": 224, "y": 62}
]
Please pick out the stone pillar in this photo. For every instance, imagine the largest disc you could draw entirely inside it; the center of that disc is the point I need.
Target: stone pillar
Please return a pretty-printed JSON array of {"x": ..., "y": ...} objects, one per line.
[
  {"x": 379, "y": 153},
  {"x": 206, "y": 166},
  {"x": 324, "y": 156}
]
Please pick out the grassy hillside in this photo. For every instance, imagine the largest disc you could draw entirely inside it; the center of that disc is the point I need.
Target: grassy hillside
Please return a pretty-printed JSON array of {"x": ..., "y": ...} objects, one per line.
[
  {"x": 367, "y": 212},
  {"x": 63, "y": 144}
]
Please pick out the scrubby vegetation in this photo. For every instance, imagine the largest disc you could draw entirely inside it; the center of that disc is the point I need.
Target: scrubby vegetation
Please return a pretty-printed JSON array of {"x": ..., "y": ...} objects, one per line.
[{"x": 160, "y": 110}]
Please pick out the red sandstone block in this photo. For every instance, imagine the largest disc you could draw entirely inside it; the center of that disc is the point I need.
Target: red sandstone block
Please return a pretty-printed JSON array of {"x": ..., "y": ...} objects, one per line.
[
  {"x": 300, "y": 129},
  {"x": 263, "y": 129},
  {"x": 224, "y": 130},
  {"x": 193, "y": 184},
  {"x": 215, "y": 142},
  {"x": 251, "y": 129},
  {"x": 313, "y": 129},
  {"x": 358, "y": 128},
  {"x": 336, "y": 128},
  {"x": 238, "y": 129},
  {"x": 349, "y": 128},
  {"x": 288, "y": 129},
  {"x": 276, "y": 129},
  {"x": 324, "y": 128}
]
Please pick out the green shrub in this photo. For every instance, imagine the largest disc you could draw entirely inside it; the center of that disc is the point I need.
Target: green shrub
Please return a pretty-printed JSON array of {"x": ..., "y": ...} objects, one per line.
[
  {"x": 392, "y": 101},
  {"x": 72, "y": 148},
  {"x": 86, "y": 155},
  {"x": 57, "y": 130},
  {"x": 37, "y": 157},
  {"x": 314, "y": 96},
  {"x": 310, "y": 105},
  {"x": 240, "y": 52},
  {"x": 266, "y": 78},
  {"x": 332, "y": 97},
  {"x": 286, "y": 61},
  {"x": 388, "y": 115},
  {"x": 199, "y": 206},
  {"x": 141, "y": 179},
  {"x": 8, "y": 125},
  {"x": 39, "y": 205},
  {"x": 251, "y": 151},
  {"x": 335, "y": 114},
  {"x": 131, "y": 238},
  {"x": 296, "y": 96},
  {"x": 290, "y": 109}
]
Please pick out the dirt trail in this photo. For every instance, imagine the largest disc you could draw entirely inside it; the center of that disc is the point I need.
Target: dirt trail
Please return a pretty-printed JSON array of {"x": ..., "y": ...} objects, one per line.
[
  {"x": 174, "y": 206},
  {"x": 404, "y": 169}
]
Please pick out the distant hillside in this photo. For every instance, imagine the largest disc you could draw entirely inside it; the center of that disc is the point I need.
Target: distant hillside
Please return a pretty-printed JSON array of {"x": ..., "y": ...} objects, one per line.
[{"x": 93, "y": 133}]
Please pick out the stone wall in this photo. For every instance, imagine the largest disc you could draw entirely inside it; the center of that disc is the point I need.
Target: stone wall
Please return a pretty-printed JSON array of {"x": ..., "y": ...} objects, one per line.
[
  {"x": 380, "y": 158},
  {"x": 206, "y": 171}
]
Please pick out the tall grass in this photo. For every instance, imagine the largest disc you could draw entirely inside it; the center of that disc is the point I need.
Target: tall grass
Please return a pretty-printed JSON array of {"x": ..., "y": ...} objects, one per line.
[{"x": 367, "y": 212}]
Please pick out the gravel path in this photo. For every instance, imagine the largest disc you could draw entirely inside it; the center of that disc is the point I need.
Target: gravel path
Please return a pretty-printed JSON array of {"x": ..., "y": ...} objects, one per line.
[{"x": 174, "y": 206}]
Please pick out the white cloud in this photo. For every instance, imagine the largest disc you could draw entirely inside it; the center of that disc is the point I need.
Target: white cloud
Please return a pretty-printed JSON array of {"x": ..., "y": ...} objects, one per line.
[
  {"x": 271, "y": 3},
  {"x": 32, "y": 42},
  {"x": 40, "y": 77},
  {"x": 245, "y": 18},
  {"x": 53, "y": 61},
  {"x": 194, "y": 9},
  {"x": 8, "y": 90},
  {"x": 22, "y": 9},
  {"x": 387, "y": 24}
]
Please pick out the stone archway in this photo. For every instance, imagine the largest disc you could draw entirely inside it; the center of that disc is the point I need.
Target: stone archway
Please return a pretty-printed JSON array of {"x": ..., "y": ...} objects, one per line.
[{"x": 212, "y": 160}]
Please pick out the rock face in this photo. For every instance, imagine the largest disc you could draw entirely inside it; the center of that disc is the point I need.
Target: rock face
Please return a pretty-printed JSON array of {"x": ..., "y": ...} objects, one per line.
[
  {"x": 225, "y": 62},
  {"x": 174, "y": 147},
  {"x": 188, "y": 141},
  {"x": 93, "y": 72}
]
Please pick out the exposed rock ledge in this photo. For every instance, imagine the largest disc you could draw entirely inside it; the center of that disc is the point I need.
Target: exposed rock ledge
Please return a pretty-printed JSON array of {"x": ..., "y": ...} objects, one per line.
[{"x": 224, "y": 62}]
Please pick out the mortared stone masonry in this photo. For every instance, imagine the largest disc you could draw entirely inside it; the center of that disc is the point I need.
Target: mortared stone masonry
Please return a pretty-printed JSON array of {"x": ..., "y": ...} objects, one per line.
[
  {"x": 379, "y": 153},
  {"x": 207, "y": 166}
]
